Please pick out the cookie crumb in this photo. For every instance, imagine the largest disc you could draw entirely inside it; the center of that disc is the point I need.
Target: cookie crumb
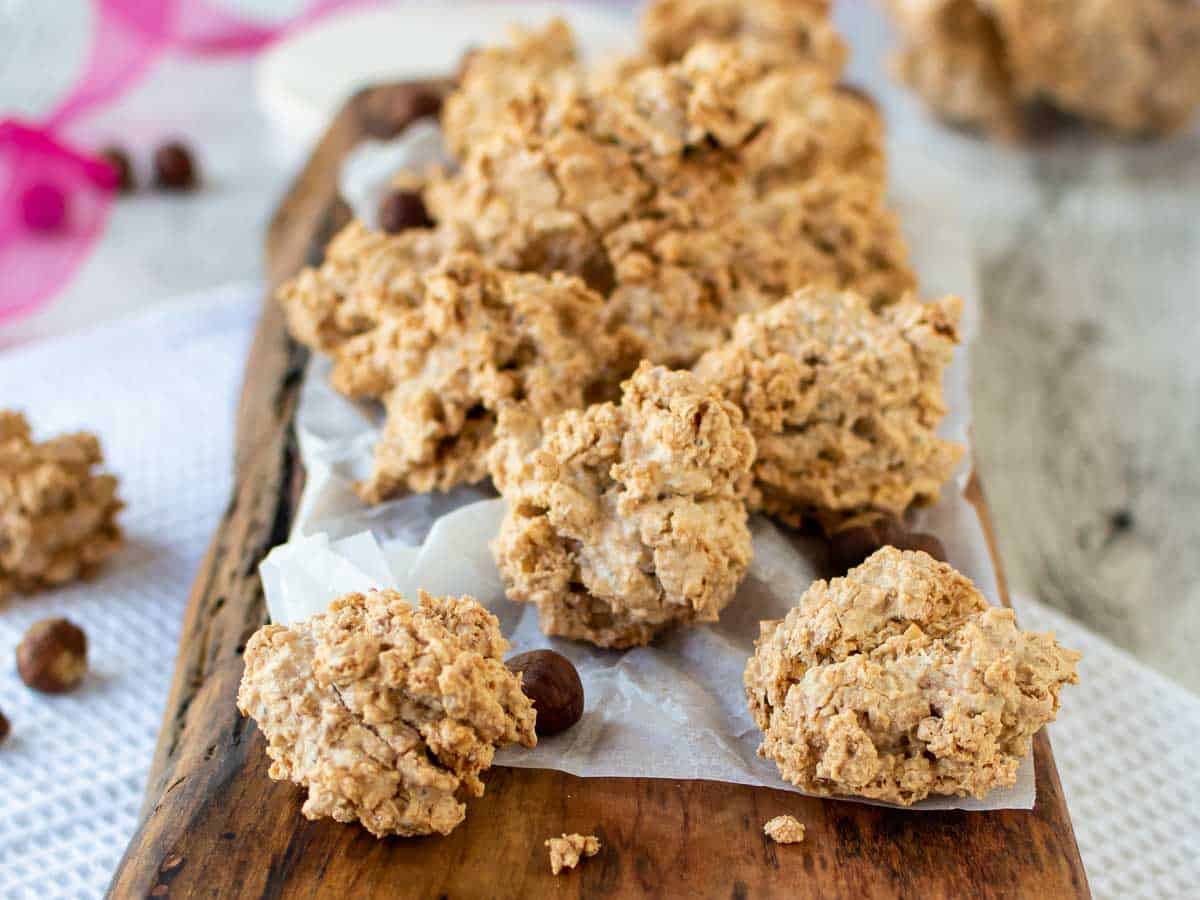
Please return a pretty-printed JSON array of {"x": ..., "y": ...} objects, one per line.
[
  {"x": 784, "y": 830},
  {"x": 566, "y": 851}
]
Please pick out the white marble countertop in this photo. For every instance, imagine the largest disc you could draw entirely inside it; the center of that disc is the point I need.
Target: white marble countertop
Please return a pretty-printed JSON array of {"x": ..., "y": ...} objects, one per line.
[{"x": 1086, "y": 378}]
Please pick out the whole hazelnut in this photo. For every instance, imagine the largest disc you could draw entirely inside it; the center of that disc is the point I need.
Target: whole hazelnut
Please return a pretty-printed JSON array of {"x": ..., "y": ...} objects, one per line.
[
  {"x": 551, "y": 682},
  {"x": 5, "y": 728},
  {"x": 920, "y": 540},
  {"x": 174, "y": 167},
  {"x": 415, "y": 102},
  {"x": 122, "y": 168},
  {"x": 52, "y": 657},
  {"x": 400, "y": 210},
  {"x": 859, "y": 538}
]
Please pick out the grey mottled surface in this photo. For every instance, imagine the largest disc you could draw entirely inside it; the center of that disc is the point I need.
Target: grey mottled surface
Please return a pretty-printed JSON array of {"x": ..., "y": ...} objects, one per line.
[{"x": 1086, "y": 376}]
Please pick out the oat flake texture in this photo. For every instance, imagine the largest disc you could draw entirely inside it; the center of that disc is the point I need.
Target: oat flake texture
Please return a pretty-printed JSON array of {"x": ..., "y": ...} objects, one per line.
[
  {"x": 57, "y": 509},
  {"x": 626, "y": 519},
  {"x": 1132, "y": 66},
  {"x": 899, "y": 681},
  {"x": 844, "y": 403},
  {"x": 386, "y": 712}
]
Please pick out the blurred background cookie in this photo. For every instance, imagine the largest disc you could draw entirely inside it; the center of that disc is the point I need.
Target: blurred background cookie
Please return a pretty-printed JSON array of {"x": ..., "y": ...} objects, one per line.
[{"x": 1132, "y": 66}]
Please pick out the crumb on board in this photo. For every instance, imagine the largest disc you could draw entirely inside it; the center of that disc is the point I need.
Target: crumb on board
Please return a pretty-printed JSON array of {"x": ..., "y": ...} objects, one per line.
[
  {"x": 784, "y": 830},
  {"x": 566, "y": 851}
]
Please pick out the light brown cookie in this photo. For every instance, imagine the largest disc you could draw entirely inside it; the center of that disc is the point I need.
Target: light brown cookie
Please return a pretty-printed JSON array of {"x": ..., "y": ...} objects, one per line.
[
  {"x": 473, "y": 340},
  {"x": 843, "y": 402},
  {"x": 899, "y": 681},
  {"x": 785, "y": 29},
  {"x": 626, "y": 519},
  {"x": 366, "y": 275},
  {"x": 688, "y": 192},
  {"x": 57, "y": 512},
  {"x": 1129, "y": 65},
  {"x": 387, "y": 713}
]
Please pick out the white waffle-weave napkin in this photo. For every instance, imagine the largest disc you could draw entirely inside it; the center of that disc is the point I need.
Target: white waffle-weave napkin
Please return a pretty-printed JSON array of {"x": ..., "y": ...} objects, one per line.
[{"x": 160, "y": 392}]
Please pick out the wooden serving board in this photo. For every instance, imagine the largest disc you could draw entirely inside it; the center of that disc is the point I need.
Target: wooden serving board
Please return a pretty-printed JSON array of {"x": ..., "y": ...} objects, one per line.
[{"x": 216, "y": 826}]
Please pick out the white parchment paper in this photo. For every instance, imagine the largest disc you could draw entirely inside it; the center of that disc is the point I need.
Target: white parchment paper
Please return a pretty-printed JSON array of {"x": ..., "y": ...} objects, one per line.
[{"x": 673, "y": 710}]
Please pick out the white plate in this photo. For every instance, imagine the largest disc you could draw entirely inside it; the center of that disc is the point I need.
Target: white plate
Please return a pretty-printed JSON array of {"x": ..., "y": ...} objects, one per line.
[{"x": 304, "y": 79}]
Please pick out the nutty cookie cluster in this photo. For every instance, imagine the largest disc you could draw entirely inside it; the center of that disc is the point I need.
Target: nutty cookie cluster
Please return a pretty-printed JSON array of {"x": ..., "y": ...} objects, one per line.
[
  {"x": 1129, "y": 65},
  {"x": 605, "y": 217},
  {"x": 626, "y": 519},
  {"x": 683, "y": 189},
  {"x": 387, "y": 713},
  {"x": 57, "y": 512},
  {"x": 900, "y": 681},
  {"x": 843, "y": 402},
  {"x": 688, "y": 191},
  {"x": 445, "y": 348}
]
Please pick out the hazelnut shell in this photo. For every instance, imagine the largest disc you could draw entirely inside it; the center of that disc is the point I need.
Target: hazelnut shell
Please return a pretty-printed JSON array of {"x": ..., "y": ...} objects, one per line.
[
  {"x": 400, "y": 210},
  {"x": 852, "y": 544},
  {"x": 549, "y": 679},
  {"x": 920, "y": 540},
  {"x": 52, "y": 657}
]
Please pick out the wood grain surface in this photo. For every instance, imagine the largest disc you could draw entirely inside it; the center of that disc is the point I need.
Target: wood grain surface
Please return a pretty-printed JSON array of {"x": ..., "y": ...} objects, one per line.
[{"x": 216, "y": 826}]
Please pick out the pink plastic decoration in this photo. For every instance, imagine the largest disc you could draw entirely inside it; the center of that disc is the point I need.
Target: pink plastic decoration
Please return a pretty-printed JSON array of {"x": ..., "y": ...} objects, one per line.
[
  {"x": 38, "y": 256},
  {"x": 54, "y": 200},
  {"x": 44, "y": 207}
]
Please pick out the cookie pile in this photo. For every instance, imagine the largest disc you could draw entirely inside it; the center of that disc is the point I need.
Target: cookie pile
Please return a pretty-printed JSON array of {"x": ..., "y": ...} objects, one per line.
[
  {"x": 715, "y": 201},
  {"x": 649, "y": 298},
  {"x": 651, "y": 201}
]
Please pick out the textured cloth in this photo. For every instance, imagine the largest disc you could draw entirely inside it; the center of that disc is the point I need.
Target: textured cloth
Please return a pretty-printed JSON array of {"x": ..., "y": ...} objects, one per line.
[
  {"x": 1129, "y": 759},
  {"x": 73, "y": 770}
]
